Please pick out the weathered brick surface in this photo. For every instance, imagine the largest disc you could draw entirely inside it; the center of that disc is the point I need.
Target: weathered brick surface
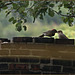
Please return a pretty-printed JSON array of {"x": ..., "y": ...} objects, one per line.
[
  {"x": 64, "y": 41},
  {"x": 35, "y": 67},
  {"x": 41, "y": 53},
  {"x": 19, "y": 67},
  {"x": 39, "y": 50},
  {"x": 54, "y": 69},
  {"x": 69, "y": 70},
  {"x": 22, "y": 39},
  {"x": 36, "y": 46},
  {"x": 45, "y": 66},
  {"x": 4, "y": 52},
  {"x": 29, "y": 60},
  {"x": 3, "y": 66},
  {"x": 46, "y": 53},
  {"x": 8, "y": 59},
  {"x": 41, "y": 59},
  {"x": 13, "y": 46},
  {"x": 58, "y": 47},
  {"x": 19, "y": 52},
  {"x": 30, "y": 72},
  {"x": 4, "y": 40},
  {"x": 63, "y": 62},
  {"x": 45, "y": 61},
  {"x": 23, "y": 46},
  {"x": 74, "y": 63},
  {"x": 38, "y": 74},
  {"x": 9, "y": 72},
  {"x": 43, "y": 40}
]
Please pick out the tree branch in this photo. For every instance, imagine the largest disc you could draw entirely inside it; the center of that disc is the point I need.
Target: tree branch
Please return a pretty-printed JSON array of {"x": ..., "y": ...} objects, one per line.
[
  {"x": 63, "y": 14},
  {"x": 5, "y": 5}
]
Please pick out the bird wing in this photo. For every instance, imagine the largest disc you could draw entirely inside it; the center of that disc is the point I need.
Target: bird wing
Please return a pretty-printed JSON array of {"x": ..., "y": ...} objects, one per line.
[
  {"x": 48, "y": 33},
  {"x": 62, "y": 36}
]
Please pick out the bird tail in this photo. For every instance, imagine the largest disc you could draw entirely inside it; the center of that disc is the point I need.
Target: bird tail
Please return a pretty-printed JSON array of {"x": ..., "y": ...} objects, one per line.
[{"x": 41, "y": 35}]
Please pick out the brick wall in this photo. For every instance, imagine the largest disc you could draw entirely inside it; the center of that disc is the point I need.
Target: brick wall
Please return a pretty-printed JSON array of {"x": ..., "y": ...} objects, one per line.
[{"x": 30, "y": 58}]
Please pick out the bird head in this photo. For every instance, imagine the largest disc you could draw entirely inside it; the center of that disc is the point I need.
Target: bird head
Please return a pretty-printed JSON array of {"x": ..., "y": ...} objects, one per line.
[
  {"x": 54, "y": 30},
  {"x": 59, "y": 31}
]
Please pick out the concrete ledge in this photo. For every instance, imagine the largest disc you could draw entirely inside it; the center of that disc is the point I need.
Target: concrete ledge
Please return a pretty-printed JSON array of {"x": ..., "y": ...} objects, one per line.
[
  {"x": 22, "y": 39},
  {"x": 43, "y": 40},
  {"x": 4, "y": 40},
  {"x": 64, "y": 41}
]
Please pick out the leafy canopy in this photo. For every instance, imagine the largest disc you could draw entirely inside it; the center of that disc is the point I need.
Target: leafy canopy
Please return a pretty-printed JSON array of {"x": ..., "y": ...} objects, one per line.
[{"x": 37, "y": 9}]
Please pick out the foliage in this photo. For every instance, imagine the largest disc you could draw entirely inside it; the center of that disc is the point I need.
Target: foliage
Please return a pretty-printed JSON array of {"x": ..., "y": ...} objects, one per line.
[
  {"x": 37, "y": 9},
  {"x": 36, "y": 29}
]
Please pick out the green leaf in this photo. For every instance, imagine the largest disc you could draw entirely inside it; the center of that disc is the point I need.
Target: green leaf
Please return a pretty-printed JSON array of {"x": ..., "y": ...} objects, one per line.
[
  {"x": 60, "y": 12},
  {"x": 34, "y": 20},
  {"x": 26, "y": 3},
  {"x": 7, "y": 13},
  {"x": 17, "y": 24},
  {"x": 14, "y": 21},
  {"x": 20, "y": 21},
  {"x": 11, "y": 19},
  {"x": 25, "y": 14},
  {"x": 50, "y": 12},
  {"x": 65, "y": 2},
  {"x": 41, "y": 16},
  {"x": 66, "y": 5},
  {"x": 25, "y": 20},
  {"x": 18, "y": 27},
  {"x": 51, "y": 5},
  {"x": 15, "y": 6},
  {"x": 44, "y": 13},
  {"x": 70, "y": 20},
  {"x": 21, "y": 9},
  {"x": 5, "y": 7},
  {"x": 70, "y": 23},
  {"x": 25, "y": 28},
  {"x": 65, "y": 20},
  {"x": 60, "y": 5}
]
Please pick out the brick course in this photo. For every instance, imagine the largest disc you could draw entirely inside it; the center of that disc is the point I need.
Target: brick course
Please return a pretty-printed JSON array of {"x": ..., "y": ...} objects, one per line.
[{"x": 37, "y": 58}]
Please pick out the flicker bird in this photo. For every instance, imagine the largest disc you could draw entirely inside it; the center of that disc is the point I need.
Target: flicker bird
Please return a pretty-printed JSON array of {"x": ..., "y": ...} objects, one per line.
[
  {"x": 61, "y": 35},
  {"x": 49, "y": 33}
]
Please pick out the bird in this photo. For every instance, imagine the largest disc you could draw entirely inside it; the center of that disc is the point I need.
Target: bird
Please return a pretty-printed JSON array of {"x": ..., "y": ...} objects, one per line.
[
  {"x": 49, "y": 33},
  {"x": 61, "y": 35}
]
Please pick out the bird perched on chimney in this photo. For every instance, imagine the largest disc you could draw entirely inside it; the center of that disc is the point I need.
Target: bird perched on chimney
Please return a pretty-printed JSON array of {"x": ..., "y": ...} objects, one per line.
[
  {"x": 61, "y": 35},
  {"x": 49, "y": 33}
]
